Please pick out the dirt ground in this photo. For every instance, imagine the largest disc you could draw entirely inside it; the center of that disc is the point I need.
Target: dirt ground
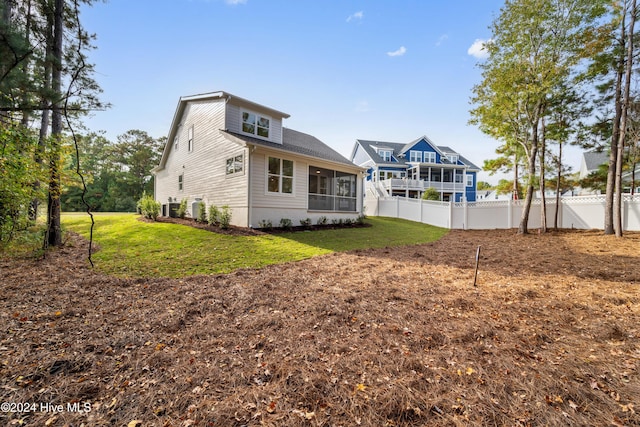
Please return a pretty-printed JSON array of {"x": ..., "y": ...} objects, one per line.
[{"x": 390, "y": 337}]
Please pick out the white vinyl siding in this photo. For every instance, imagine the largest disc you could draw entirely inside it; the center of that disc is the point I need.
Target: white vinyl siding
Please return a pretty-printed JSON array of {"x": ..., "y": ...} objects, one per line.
[
  {"x": 261, "y": 198},
  {"x": 204, "y": 175}
]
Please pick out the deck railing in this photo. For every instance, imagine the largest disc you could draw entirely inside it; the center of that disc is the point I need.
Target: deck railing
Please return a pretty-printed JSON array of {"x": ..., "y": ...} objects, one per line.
[{"x": 421, "y": 185}]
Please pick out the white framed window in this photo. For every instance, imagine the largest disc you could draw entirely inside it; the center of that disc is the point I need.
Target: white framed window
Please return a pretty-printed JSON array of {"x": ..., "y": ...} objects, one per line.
[
  {"x": 175, "y": 142},
  {"x": 429, "y": 157},
  {"x": 415, "y": 156},
  {"x": 469, "y": 180},
  {"x": 279, "y": 175},
  {"x": 453, "y": 158},
  {"x": 190, "y": 139},
  {"x": 180, "y": 182},
  {"x": 385, "y": 154},
  {"x": 235, "y": 165},
  {"x": 255, "y": 124}
]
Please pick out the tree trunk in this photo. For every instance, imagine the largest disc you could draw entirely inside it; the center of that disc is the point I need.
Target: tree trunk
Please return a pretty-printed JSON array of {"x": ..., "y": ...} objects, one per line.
[
  {"x": 45, "y": 104},
  {"x": 633, "y": 178},
  {"x": 558, "y": 179},
  {"x": 532, "y": 156},
  {"x": 26, "y": 114},
  {"x": 54, "y": 230},
  {"x": 613, "y": 154},
  {"x": 543, "y": 197},
  {"x": 617, "y": 200},
  {"x": 524, "y": 218},
  {"x": 514, "y": 196}
]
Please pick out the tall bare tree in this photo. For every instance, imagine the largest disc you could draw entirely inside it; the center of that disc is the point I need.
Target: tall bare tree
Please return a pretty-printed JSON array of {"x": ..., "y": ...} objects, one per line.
[{"x": 630, "y": 9}]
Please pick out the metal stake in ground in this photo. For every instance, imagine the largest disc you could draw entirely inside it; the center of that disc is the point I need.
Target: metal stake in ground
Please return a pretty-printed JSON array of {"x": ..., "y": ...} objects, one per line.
[{"x": 475, "y": 277}]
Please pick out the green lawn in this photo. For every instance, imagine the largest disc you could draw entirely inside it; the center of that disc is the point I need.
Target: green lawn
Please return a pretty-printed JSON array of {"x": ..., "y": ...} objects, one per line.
[{"x": 129, "y": 247}]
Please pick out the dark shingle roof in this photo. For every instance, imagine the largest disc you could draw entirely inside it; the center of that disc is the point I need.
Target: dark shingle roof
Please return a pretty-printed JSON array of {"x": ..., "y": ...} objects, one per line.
[
  {"x": 299, "y": 143},
  {"x": 396, "y": 147},
  {"x": 593, "y": 159},
  {"x": 399, "y": 148}
]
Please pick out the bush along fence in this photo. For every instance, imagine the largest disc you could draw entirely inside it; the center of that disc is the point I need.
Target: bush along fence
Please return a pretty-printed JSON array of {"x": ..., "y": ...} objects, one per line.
[{"x": 583, "y": 212}]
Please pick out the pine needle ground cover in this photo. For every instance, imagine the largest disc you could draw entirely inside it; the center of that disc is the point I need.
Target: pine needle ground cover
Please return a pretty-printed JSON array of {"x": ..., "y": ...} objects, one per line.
[
  {"x": 395, "y": 337},
  {"x": 129, "y": 247}
]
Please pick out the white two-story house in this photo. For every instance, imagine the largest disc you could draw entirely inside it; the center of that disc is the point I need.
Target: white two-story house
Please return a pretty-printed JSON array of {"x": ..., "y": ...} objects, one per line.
[
  {"x": 226, "y": 150},
  {"x": 407, "y": 170}
]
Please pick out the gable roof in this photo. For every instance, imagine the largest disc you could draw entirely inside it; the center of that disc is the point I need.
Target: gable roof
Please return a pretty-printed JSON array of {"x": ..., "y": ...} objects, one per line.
[
  {"x": 229, "y": 97},
  {"x": 408, "y": 146},
  {"x": 209, "y": 96},
  {"x": 294, "y": 142},
  {"x": 370, "y": 146},
  {"x": 400, "y": 149},
  {"x": 593, "y": 159}
]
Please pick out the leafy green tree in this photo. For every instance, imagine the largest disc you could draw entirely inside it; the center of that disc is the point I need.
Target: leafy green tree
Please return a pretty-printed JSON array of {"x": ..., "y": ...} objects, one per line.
[
  {"x": 612, "y": 66},
  {"x": 483, "y": 185},
  {"x": 431, "y": 194},
  {"x": 17, "y": 172},
  {"x": 117, "y": 174},
  {"x": 44, "y": 68},
  {"x": 134, "y": 155},
  {"x": 536, "y": 46},
  {"x": 505, "y": 186},
  {"x": 596, "y": 180}
]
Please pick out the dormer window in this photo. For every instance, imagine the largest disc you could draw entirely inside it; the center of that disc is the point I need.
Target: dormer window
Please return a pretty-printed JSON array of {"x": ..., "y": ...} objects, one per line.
[
  {"x": 385, "y": 154},
  {"x": 255, "y": 124},
  {"x": 453, "y": 158}
]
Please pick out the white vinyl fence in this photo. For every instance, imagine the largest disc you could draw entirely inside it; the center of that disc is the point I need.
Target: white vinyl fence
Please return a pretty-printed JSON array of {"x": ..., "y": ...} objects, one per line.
[{"x": 585, "y": 212}]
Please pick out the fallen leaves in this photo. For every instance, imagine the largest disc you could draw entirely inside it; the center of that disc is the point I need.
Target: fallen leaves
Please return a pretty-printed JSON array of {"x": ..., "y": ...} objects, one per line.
[
  {"x": 304, "y": 414},
  {"x": 369, "y": 338}
]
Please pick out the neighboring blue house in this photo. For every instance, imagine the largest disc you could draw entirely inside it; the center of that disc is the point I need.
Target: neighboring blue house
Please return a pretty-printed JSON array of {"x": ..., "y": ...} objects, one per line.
[{"x": 409, "y": 169}]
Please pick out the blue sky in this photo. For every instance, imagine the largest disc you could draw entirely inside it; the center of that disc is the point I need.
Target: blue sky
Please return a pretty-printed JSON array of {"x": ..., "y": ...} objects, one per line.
[{"x": 344, "y": 70}]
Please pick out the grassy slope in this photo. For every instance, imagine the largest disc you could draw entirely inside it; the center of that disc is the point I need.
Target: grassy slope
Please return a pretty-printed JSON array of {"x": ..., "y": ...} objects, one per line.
[{"x": 129, "y": 247}]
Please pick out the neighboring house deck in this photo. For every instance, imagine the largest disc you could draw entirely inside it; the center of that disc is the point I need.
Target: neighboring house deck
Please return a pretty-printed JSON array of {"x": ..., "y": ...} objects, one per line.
[
  {"x": 226, "y": 150},
  {"x": 396, "y": 169}
]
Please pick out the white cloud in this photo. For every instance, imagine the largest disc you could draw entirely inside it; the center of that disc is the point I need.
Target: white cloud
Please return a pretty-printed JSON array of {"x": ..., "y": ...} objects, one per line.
[
  {"x": 234, "y": 2},
  {"x": 478, "y": 49},
  {"x": 442, "y": 39},
  {"x": 356, "y": 16},
  {"x": 398, "y": 52}
]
